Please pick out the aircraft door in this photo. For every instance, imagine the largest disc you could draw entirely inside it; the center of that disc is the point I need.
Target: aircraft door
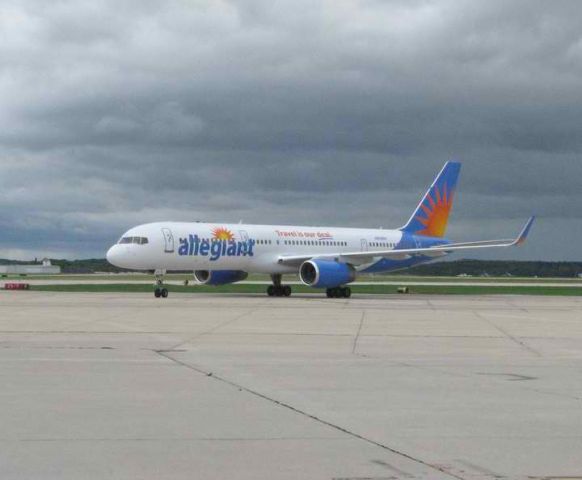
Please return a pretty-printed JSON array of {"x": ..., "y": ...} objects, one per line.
[
  {"x": 168, "y": 240},
  {"x": 364, "y": 245}
]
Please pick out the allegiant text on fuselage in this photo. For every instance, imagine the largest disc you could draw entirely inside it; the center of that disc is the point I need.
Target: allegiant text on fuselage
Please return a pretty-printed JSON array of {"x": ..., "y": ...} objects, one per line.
[{"x": 214, "y": 248}]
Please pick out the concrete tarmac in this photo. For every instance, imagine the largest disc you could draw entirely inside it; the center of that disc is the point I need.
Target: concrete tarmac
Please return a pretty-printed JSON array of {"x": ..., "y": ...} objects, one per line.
[{"x": 126, "y": 386}]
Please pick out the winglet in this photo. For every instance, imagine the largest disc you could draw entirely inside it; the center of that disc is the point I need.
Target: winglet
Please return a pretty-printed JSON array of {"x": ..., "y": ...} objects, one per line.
[{"x": 520, "y": 240}]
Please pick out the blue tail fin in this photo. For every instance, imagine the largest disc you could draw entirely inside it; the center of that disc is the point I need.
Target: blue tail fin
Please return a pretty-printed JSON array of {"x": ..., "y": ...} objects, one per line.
[{"x": 431, "y": 216}]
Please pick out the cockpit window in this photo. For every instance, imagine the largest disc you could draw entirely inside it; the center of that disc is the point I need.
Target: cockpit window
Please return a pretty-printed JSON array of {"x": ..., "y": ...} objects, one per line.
[{"x": 136, "y": 240}]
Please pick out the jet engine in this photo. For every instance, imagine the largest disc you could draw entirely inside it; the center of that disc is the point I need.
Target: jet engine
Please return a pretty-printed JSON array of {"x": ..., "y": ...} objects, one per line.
[{"x": 326, "y": 273}]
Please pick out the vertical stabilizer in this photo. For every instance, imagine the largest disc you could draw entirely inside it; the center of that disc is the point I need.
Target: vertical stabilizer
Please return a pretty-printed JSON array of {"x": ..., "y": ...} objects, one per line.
[{"x": 432, "y": 214}]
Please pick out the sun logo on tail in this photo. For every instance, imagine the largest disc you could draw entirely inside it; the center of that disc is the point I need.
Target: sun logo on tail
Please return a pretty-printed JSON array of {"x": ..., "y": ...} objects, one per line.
[
  {"x": 221, "y": 233},
  {"x": 436, "y": 210}
]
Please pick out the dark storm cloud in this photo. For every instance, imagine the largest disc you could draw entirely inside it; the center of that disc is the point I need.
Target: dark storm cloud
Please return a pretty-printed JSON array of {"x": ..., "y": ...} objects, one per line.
[{"x": 332, "y": 112}]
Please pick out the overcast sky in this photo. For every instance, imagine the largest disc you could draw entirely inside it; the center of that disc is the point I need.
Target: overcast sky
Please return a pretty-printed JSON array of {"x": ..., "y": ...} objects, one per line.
[{"x": 115, "y": 113}]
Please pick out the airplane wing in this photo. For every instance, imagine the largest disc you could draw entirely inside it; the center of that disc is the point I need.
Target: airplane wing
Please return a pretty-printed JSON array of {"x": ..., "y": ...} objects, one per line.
[{"x": 358, "y": 258}]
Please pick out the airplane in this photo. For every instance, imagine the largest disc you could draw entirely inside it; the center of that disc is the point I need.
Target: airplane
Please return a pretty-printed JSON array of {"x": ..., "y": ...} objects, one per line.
[{"x": 329, "y": 258}]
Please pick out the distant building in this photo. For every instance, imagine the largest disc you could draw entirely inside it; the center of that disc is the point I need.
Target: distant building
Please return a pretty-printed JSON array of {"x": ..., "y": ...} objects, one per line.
[{"x": 47, "y": 268}]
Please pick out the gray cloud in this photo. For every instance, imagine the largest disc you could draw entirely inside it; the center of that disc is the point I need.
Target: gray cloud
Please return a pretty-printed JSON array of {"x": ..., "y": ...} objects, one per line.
[{"x": 333, "y": 112}]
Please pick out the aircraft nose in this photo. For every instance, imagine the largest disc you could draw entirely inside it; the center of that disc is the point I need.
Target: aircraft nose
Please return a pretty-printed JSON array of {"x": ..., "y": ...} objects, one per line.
[{"x": 113, "y": 255}]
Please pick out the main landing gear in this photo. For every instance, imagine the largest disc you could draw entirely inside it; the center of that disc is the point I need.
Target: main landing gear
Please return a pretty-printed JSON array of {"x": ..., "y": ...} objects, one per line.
[
  {"x": 160, "y": 290},
  {"x": 339, "y": 292},
  {"x": 278, "y": 290}
]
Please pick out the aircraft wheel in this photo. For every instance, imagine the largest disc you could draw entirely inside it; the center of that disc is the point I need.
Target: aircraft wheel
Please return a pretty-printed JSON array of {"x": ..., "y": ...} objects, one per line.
[
  {"x": 347, "y": 291},
  {"x": 164, "y": 292},
  {"x": 158, "y": 292},
  {"x": 271, "y": 290},
  {"x": 286, "y": 290}
]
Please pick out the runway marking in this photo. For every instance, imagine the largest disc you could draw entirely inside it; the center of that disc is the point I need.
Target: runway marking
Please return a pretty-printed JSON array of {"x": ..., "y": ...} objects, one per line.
[{"x": 339, "y": 428}]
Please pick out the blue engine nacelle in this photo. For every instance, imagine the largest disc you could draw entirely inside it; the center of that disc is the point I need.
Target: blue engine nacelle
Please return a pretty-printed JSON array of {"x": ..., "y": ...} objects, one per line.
[
  {"x": 326, "y": 273},
  {"x": 219, "y": 277}
]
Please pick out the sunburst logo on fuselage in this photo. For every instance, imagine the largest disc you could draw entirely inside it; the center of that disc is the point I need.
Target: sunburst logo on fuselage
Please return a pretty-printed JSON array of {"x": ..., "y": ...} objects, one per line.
[
  {"x": 221, "y": 233},
  {"x": 436, "y": 210}
]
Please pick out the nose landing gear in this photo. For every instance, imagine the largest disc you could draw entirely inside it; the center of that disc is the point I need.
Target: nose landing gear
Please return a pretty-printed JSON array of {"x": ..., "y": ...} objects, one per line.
[{"x": 160, "y": 290}]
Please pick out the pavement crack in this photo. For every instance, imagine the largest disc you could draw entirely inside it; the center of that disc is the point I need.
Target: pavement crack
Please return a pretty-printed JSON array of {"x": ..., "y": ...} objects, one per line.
[
  {"x": 356, "y": 338},
  {"x": 214, "y": 328},
  {"x": 508, "y": 335},
  {"x": 280, "y": 403}
]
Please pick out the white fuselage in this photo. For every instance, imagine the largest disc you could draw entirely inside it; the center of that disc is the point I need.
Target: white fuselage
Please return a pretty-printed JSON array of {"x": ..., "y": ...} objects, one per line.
[{"x": 251, "y": 248}]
